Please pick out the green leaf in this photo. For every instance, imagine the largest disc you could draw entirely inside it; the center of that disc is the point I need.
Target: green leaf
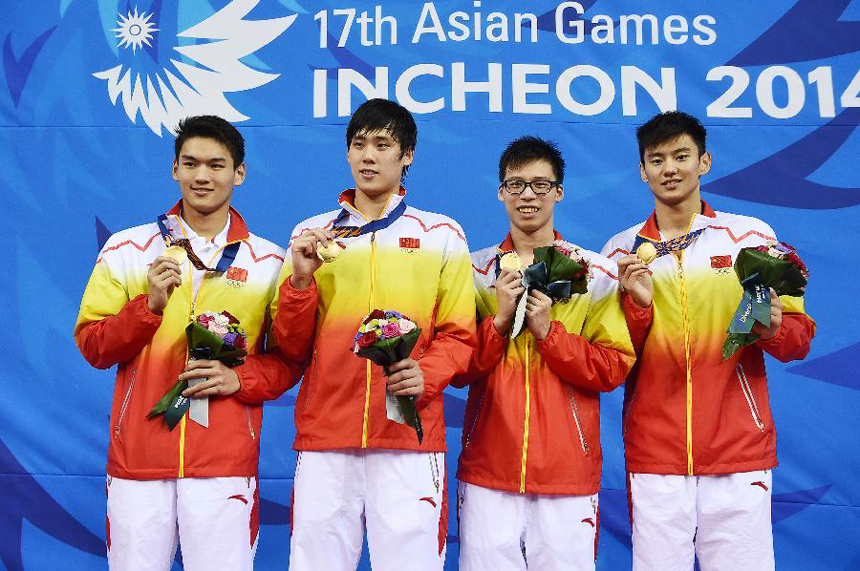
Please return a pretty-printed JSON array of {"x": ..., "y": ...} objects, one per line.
[{"x": 168, "y": 397}]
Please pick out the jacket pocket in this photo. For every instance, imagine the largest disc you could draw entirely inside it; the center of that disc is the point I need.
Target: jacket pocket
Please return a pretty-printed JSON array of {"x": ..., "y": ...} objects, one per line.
[
  {"x": 125, "y": 403},
  {"x": 574, "y": 411},
  {"x": 748, "y": 395}
]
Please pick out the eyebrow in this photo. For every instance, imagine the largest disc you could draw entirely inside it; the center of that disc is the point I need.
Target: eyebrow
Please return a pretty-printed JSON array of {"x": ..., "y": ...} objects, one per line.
[
  {"x": 672, "y": 152},
  {"x": 212, "y": 160}
]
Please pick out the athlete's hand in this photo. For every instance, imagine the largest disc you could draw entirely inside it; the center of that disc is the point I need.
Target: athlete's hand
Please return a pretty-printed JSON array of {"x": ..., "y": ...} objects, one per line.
[
  {"x": 509, "y": 287},
  {"x": 222, "y": 380},
  {"x": 776, "y": 306},
  {"x": 303, "y": 252},
  {"x": 635, "y": 277},
  {"x": 406, "y": 379},
  {"x": 163, "y": 277},
  {"x": 538, "y": 308}
]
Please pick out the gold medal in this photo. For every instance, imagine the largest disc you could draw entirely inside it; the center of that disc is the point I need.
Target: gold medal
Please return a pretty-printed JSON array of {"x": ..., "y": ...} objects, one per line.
[
  {"x": 329, "y": 253},
  {"x": 511, "y": 261},
  {"x": 646, "y": 252},
  {"x": 177, "y": 253}
]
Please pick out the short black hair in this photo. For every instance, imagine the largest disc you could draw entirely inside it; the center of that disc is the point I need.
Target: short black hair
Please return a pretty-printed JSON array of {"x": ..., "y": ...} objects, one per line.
[
  {"x": 384, "y": 115},
  {"x": 669, "y": 126},
  {"x": 211, "y": 127},
  {"x": 525, "y": 150}
]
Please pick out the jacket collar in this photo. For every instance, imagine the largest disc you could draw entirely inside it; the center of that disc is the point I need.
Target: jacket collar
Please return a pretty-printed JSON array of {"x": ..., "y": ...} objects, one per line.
[
  {"x": 238, "y": 230},
  {"x": 347, "y": 202},
  {"x": 650, "y": 230},
  {"x": 507, "y": 244}
]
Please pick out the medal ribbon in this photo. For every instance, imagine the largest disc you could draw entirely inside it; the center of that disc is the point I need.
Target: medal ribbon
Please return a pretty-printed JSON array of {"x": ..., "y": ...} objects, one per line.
[
  {"x": 227, "y": 255},
  {"x": 669, "y": 246},
  {"x": 372, "y": 226}
]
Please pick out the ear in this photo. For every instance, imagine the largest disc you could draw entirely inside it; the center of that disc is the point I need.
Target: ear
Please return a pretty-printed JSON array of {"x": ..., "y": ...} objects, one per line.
[
  {"x": 559, "y": 193},
  {"x": 705, "y": 164},
  {"x": 642, "y": 172},
  {"x": 407, "y": 158},
  {"x": 175, "y": 169},
  {"x": 239, "y": 175},
  {"x": 501, "y": 194}
]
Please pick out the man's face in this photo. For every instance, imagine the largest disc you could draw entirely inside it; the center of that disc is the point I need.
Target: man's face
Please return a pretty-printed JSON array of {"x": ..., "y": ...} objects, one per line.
[
  {"x": 529, "y": 211},
  {"x": 206, "y": 175},
  {"x": 376, "y": 164},
  {"x": 672, "y": 170}
]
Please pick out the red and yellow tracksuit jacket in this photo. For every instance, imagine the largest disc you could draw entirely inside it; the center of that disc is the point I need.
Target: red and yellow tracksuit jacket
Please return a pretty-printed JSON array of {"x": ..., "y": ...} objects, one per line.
[
  {"x": 686, "y": 411},
  {"x": 533, "y": 415},
  {"x": 116, "y": 327},
  {"x": 418, "y": 265}
]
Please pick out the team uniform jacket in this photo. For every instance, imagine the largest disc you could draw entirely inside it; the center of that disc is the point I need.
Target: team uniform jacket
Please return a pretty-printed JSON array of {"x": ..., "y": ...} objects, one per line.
[
  {"x": 419, "y": 266},
  {"x": 533, "y": 415},
  {"x": 686, "y": 411},
  {"x": 116, "y": 327}
]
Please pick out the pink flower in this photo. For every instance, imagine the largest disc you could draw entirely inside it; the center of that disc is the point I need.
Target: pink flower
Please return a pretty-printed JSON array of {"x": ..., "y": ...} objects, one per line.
[{"x": 391, "y": 330}]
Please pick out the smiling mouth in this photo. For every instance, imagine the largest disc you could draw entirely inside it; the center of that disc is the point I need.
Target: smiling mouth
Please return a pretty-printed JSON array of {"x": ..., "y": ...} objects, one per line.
[
  {"x": 202, "y": 190},
  {"x": 672, "y": 183},
  {"x": 367, "y": 172},
  {"x": 527, "y": 209}
]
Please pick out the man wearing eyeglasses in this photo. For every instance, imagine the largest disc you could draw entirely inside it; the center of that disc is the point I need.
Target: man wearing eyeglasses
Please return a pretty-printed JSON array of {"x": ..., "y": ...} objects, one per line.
[{"x": 530, "y": 467}]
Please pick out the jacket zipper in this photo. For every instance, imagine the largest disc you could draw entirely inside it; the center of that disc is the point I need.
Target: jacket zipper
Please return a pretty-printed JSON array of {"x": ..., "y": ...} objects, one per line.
[
  {"x": 125, "y": 402},
  {"x": 474, "y": 422},
  {"x": 367, "y": 387},
  {"x": 250, "y": 426},
  {"x": 575, "y": 410},
  {"x": 748, "y": 395},
  {"x": 525, "y": 425},
  {"x": 689, "y": 365}
]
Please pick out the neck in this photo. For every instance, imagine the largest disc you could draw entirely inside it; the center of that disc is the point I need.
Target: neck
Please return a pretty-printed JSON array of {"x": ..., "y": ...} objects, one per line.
[
  {"x": 673, "y": 220},
  {"x": 526, "y": 242},
  {"x": 372, "y": 206},
  {"x": 207, "y": 225}
]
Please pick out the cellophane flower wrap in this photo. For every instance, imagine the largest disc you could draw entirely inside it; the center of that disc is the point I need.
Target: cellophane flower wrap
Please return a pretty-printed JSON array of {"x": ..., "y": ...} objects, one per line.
[
  {"x": 558, "y": 271},
  {"x": 212, "y": 335},
  {"x": 773, "y": 265},
  {"x": 386, "y": 337}
]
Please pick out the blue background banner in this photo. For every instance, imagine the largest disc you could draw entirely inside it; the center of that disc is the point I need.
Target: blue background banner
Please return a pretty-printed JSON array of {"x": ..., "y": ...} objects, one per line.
[{"x": 90, "y": 89}]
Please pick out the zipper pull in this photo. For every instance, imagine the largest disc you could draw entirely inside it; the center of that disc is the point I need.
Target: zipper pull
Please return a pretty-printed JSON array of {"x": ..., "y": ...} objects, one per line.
[
  {"x": 373, "y": 237},
  {"x": 191, "y": 315}
]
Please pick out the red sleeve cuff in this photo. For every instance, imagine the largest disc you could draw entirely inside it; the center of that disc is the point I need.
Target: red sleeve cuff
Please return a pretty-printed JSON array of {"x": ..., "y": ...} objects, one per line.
[{"x": 634, "y": 310}]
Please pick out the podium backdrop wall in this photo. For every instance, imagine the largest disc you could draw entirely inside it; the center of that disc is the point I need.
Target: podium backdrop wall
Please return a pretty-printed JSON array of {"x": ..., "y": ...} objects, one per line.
[{"x": 90, "y": 89}]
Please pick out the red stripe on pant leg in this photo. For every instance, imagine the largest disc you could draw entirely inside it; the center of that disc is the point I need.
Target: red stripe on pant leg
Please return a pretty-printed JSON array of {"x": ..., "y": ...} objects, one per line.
[
  {"x": 255, "y": 513},
  {"x": 107, "y": 523},
  {"x": 597, "y": 533},
  {"x": 629, "y": 503},
  {"x": 292, "y": 503},
  {"x": 443, "y": 515}
]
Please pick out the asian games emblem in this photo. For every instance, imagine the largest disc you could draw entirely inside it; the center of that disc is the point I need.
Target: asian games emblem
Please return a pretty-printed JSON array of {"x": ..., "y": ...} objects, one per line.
[{"x": 166, "y": 74}]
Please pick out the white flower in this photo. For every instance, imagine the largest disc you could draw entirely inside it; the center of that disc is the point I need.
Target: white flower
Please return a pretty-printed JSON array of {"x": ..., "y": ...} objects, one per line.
[{"x": 405, "y": 326}]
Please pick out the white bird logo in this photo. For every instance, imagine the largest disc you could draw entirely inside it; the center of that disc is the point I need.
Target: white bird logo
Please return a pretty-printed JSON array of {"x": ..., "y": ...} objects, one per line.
[{"x": 200, "y": 90}]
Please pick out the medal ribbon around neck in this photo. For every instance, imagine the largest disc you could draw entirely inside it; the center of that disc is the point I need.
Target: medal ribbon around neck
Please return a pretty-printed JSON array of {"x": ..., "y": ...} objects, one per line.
[
  {"x": 372, "y": 226},
  {"x": 669, "y": 246},
  {"x": 227, "y": 256}
]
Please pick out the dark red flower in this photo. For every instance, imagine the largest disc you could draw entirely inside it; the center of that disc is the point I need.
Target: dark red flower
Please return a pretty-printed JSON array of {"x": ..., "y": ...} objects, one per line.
[
  {"x": 230, "y": 317},
  {"x": 367, "y": 340},
  {"x": 375, "y": 314}
]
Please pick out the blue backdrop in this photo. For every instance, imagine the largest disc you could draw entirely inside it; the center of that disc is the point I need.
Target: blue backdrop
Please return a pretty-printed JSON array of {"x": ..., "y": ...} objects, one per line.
[{"x": 89, "y": 90}]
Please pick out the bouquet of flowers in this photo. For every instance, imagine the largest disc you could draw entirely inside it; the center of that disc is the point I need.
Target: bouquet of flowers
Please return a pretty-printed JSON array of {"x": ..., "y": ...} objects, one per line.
[
  {"x": 212, "y": 335},
  {"x": 558, "y": 271},
  {"x": 386, "y": 337},
  {"x": 773, "y": 265}
]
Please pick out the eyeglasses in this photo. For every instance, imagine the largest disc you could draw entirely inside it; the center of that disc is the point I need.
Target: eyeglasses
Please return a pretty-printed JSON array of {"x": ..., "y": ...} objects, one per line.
[{"x": 539, "y": 187}]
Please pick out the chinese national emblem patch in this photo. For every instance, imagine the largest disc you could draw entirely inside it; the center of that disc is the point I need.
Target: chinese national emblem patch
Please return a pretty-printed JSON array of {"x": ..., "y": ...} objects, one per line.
[
  {"x": 410, "y": 244},
  {"x": 721, "y": 264}
]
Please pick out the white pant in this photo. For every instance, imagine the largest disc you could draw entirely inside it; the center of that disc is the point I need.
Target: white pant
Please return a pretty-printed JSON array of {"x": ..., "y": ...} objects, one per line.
[
  {"x": 210, "y": 516},
  {"x": 724, "y": 520},
  {"x": 397, "y": 496},
  {"x": 504, "y": 531}
]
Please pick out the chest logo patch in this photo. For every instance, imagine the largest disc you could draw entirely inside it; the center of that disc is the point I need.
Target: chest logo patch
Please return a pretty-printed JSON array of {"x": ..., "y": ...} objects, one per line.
[
  {"x": 236, "y": 277},
  {"x": 410, "y": 244},
  {"x": 721, "y": 264}
]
